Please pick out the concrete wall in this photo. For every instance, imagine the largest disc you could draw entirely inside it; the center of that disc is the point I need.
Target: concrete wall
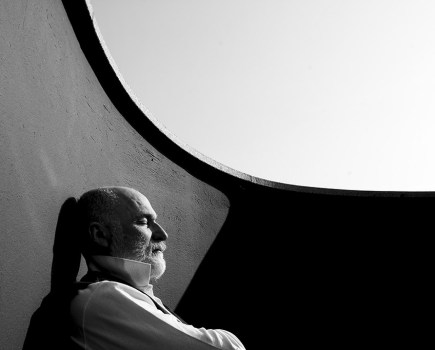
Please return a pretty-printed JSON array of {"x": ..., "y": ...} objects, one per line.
[
  {"x": 60, "y": 135},
  {"x": 273, "y": 263}
]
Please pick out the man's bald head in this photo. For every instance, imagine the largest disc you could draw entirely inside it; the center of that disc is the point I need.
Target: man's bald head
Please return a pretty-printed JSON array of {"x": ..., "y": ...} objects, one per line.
[{"x": 120, "y": 221}]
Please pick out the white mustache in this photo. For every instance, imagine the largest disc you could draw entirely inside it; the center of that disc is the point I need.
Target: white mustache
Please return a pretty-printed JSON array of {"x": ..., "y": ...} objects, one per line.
[{"x": 158, "y": 246}]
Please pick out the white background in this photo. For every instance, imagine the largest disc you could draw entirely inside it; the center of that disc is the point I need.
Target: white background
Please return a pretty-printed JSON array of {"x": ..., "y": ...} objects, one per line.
[{"x": 336, "y": 94}]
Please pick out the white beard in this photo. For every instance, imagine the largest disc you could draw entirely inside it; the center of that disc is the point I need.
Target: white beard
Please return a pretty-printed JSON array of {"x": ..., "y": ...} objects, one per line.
[
  {"x": 158, "y": 265},
  {"x": 134, "y": 250}
]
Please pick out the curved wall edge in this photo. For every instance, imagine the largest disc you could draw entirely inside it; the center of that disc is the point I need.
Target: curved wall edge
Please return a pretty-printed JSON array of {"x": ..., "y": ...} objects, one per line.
[
  {"x": 98, "y": 54},
  {"x": 94, "y": 47}
]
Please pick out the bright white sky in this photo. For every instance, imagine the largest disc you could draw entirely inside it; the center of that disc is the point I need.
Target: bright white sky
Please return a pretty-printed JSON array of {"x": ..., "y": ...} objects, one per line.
[{"x": 336, "y": 94}]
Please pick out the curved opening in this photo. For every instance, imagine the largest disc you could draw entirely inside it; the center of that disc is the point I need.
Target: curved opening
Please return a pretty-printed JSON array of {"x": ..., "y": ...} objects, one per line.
[{"x": 330, "y": 95}]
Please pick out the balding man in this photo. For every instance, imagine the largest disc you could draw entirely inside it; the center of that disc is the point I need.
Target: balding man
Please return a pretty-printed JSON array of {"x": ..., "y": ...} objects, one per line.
[{"x": 115, "y": 307}]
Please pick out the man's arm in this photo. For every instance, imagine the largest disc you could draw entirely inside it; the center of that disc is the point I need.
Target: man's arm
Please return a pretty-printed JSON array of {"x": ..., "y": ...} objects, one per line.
[{"x": 112, "y": 315}]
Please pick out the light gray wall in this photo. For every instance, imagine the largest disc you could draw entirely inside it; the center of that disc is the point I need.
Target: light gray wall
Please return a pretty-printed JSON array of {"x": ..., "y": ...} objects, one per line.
[{"x": 60, "y": 135}]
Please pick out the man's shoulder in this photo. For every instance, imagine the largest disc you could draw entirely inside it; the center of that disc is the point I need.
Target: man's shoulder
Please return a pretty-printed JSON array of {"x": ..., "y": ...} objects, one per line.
[{"x": 104, "y": 293}]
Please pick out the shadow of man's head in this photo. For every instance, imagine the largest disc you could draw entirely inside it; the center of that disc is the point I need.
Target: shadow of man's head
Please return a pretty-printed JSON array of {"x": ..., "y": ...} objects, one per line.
[
  {"x": 49, "y": 324},
  {"x": 66, "y": 249}
]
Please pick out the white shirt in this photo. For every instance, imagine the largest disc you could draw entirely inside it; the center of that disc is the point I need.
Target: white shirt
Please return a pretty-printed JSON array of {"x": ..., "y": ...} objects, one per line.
[{"x": 111, "y": 315}]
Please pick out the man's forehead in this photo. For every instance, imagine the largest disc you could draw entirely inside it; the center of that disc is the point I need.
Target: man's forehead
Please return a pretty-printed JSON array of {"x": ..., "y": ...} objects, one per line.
[{"x": 135, "y": 202}]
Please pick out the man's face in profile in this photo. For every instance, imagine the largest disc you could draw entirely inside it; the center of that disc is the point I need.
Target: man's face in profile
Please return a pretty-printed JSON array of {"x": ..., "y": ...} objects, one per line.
[{"x": 138, "y": 236}]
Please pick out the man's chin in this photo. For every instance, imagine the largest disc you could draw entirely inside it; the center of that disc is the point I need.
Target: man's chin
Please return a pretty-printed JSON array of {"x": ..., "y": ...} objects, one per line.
[{"x": 158, "y": 268}]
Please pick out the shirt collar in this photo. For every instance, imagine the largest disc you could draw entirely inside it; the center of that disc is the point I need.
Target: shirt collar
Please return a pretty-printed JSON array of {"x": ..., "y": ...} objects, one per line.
[{"x": 133, "y": 272}]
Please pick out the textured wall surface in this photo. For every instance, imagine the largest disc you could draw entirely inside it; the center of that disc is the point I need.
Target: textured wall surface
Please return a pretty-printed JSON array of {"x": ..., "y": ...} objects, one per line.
[
  {"x": 60, "y": 135},
  {"x": 275, "y": 264}
]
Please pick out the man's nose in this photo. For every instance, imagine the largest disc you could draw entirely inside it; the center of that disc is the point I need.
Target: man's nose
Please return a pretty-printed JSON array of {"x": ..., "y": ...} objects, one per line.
[{"x": 158, "y": 233}]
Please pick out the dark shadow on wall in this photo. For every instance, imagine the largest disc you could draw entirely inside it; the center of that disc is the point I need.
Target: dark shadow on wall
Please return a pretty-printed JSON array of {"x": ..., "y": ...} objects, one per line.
[
  {"x": 301, "y": 270},
  {"x": 48, "y": 328}
]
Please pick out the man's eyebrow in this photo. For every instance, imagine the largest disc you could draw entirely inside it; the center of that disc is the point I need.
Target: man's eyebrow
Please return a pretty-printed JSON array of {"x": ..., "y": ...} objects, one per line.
[{"x": 146, "y": 216}]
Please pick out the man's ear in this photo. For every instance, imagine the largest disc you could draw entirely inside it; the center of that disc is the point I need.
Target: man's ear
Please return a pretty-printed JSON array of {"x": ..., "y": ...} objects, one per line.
[{"x": 99, "y": 234}]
